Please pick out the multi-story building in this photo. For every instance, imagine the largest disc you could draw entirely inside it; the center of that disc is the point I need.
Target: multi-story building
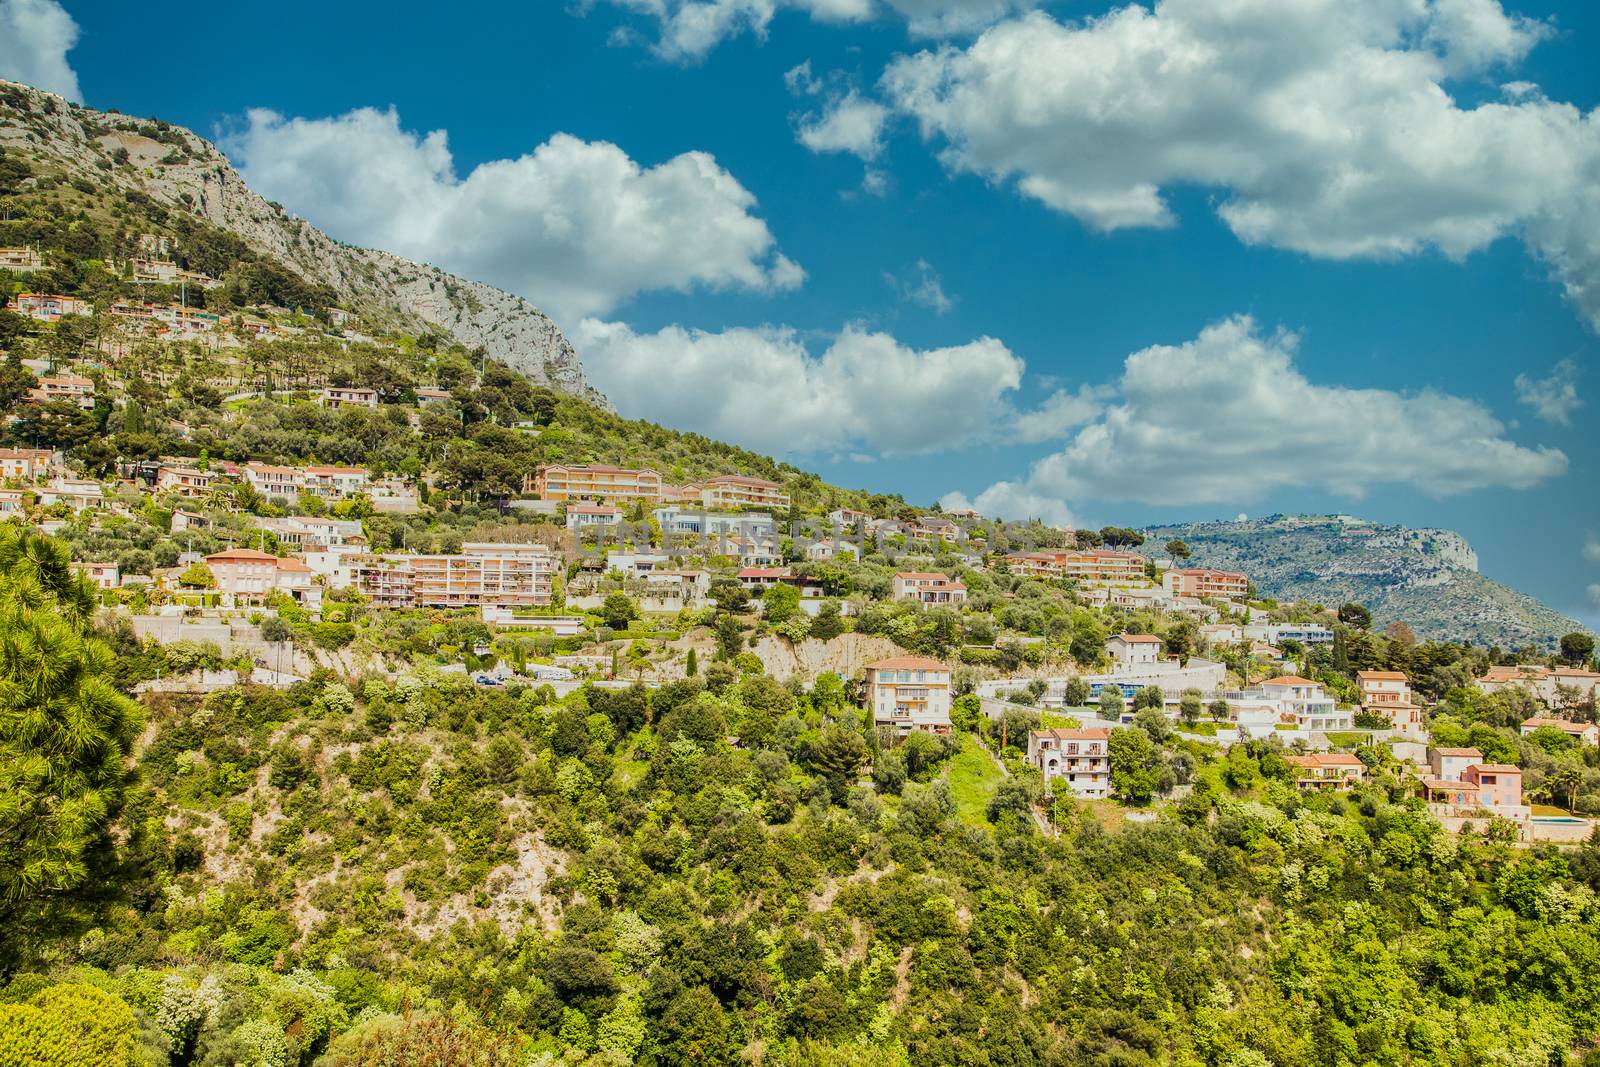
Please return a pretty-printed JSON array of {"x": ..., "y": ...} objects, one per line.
[
  {"x": 930, "y": 588},
  {"x": 1206, "y": 584},
  {"x": 1079, "y": 758},
  {"x": 50, "y": 307},
  {"x": 909, "y": 693},
  {"x": 1103, "y": 565},
  {"x": 1133, "y": 650},
  {"x": 1310, "y": 633},
  {"x": 731, "y": 491},
  {"x": 269, "y": 479},
  {"x": 65, "y": 387},
  {"x": 20, "y": 260},
  {"x": 246, "y": 576},
  {"x": 1305, "y": 700},
  {"x": 508, "y": 575},
  {"x": 1448, "y": 764},
  {"x": 1555, "y": 686},
  {"x": 581, "y": 516},
  {"x": 500, "y": 575},
  {"x": 342, "y": 482},
  {"x": 79, "y": 494},
  {"x": 165, "y": 272},
  {"x": 28, "y": 464},
  {"x": 1326, "y": 770},
  {"x": 11, "y": 502},
  {"x": 101, "y": 574},
  {"x": 1586, "y": 733},
  {"x": 1388, "y": 693},
  {"x": 189, "y": 482},
  {"x": 559, "y": 481},
  {"x": 346, "y": 396},
  {"x": 1034, "y": 565},
  {"x": 931, "y": 528}
]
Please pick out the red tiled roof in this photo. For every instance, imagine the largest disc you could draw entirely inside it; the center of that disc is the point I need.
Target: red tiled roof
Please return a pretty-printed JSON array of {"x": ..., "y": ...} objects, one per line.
[
  {"x": 1472, "y": 752},
  {"x": 1137, "y": 639},
  {"x": 908, "y": 663},
  {"x": 241, "y": 555},
  {"x": 1382, "y": 676},
  {"x": 1495, "y": 768},
  {"x": 1289, "y": 679},
  {"x": 1066, "y": 733}
]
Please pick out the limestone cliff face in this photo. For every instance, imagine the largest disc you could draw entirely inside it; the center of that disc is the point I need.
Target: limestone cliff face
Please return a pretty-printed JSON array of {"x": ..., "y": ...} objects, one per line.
[
  {"x": 1427, "y": 578},
  {"x": 185, "y": 172}
]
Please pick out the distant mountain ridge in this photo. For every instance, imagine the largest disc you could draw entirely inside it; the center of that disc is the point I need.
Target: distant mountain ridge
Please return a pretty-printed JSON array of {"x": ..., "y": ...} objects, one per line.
[
  {"x": 184, "y": 172},
  {"x": 1426, "y": 578}
]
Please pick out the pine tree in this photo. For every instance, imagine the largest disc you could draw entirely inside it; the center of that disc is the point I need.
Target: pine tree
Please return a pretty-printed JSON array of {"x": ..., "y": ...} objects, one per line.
[{"x": 65, "y": 734}]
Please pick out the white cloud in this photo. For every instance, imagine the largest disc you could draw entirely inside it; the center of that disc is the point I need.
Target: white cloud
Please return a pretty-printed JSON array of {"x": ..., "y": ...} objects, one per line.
[
  {"x": 1060, "y": 414},
  {"x": 575, "y": 226},
  {"x": 850, "y": 123},
  {"x": 1594, "y": 594},
  {"x": 1591, "y": 547},
  {"x": 1227, "y": 417},
  {"x": 1554, "y": 397},
  {"x": 922, "y": 285},
  {"x": 35, "y": 37},
  {"x": 763, "y": 389},
  {"x": 1008, "y": 500},
  {"x": 1326, "y": 122},
  {"x": 688, "y": 30}
]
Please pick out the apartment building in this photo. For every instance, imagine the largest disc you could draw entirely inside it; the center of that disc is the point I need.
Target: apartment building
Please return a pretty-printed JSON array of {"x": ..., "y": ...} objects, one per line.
[
  {"x": 28, "y": 464},
  {"x": 337, "y": 396},
  {"x": 558, "y": 481},
  {"x": 732, "y": 491},
  {"x": 1034, "y": 564},
  {"x": 246, "y": 576},
  {"x": 500, "y": 575},
  {"x": 932, "y": 528},
  {"x": 1206, "y": 584},
  {"x": 849, "y": 519},
  {"x": 50, "y": 307},
  {"x": 65, "y": 387},
  {"x": 1103, "y": 565},
  {"x": 909, "y": 693},
  {"x": 930, "y": 588},
  {"x": 1077, "y": 758}
]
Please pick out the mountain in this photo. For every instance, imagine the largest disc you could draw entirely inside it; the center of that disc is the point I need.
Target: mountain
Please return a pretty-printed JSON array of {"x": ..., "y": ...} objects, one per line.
[
  {"x": 1426, "y": 578},
  {"x": 157, "y": 167}
]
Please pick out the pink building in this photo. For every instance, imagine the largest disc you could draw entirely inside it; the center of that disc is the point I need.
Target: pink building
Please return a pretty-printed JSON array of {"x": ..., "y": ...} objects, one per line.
[{"x": 1499, "y": 785}]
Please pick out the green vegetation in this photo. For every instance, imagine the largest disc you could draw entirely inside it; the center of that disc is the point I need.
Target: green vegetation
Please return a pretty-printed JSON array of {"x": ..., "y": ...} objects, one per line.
[{"x": 973, "y": 777}]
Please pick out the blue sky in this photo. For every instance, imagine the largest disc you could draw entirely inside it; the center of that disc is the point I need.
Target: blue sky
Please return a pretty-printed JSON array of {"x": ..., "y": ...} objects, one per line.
[{"x": 1330, "y": 237}]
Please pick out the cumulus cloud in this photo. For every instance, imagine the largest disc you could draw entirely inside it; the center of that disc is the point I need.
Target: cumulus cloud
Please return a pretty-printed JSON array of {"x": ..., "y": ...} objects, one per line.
[
  {"x": 1326, "y": 124},
  {"x": 1228, "y": 417},
  {"x": 1009, "y": 500},
  {"x": 762, "y": 388},
  {"x": 575, "y": 226},
  {"x": 1060, "y": 414},
  {"x": 850, "y": 123},
  {"x": 1591, "y": 547},
  {"x": 35, "y": 37},
  {"x": 1555, "y": 396},
  {"x": 922, "y": 285},
  {"x": 688, "y": 30}
]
